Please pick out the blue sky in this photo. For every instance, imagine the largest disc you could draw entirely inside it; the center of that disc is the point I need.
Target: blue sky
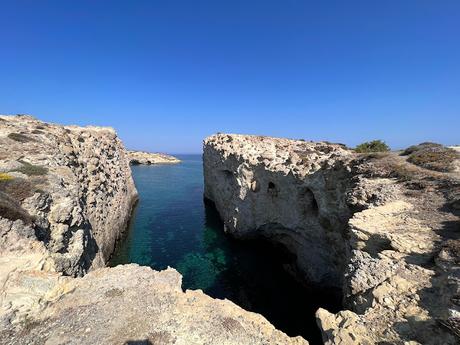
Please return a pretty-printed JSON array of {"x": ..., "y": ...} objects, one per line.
[{"x": 166, "y": 74}]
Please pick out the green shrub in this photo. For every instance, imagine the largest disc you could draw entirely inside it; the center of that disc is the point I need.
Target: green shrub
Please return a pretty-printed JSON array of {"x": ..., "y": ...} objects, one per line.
[
  {"x": 32, "y": 170},
  {"x": 22, "y": 138},
  {"x": 372, "y": 146}
]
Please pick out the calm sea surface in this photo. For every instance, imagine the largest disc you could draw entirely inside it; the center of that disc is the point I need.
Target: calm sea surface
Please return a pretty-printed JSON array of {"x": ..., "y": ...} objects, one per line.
[{"x": 173, "y": 226}]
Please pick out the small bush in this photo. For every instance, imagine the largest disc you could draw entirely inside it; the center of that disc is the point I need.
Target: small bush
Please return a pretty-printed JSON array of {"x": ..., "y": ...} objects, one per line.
[
  {"x": 32, "y": 170},
  {"x": 22, "y": 138},
  {"x": 5, "y": 177},
  {"x": 18, "y": 188},
  {"x": 372, "y": 146},
  {"x": 435, "y": 158}
]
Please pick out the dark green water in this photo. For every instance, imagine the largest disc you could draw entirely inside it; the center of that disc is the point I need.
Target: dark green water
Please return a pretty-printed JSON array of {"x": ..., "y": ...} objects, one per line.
[{"x": 173, "y": 226}]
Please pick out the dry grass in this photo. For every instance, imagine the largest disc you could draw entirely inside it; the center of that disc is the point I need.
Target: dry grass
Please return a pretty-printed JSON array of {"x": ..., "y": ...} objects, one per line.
[{"x": 18, "y": 189}]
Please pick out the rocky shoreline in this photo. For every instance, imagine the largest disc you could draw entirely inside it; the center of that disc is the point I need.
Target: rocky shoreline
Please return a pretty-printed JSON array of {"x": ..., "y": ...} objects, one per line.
[
  {"x": 148, "y": 158},
  {"x": 384, "y": 230},
  {"x": 66, "y": 195}
]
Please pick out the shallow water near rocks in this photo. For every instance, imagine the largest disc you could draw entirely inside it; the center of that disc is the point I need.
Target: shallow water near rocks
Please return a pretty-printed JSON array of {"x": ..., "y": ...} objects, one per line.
[{"x": 173, "y": 226}]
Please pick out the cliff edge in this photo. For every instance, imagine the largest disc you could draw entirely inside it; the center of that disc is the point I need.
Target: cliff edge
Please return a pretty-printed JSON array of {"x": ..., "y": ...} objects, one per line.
[
  {"x": 66, "y": 194},
  {"x": 386, "y": 231}
]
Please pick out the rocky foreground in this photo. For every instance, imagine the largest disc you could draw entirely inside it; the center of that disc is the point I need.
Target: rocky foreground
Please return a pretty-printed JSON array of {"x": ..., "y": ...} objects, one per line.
[
  {"x": 148, "y": 158},
  {"x": 383, "y": 229},
  {"x": 66, "y": 195}
]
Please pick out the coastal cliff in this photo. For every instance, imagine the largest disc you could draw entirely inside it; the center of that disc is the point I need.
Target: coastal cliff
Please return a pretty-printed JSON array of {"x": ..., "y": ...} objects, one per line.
[
  {"x": 69, "y": 186},
  {"x": 66, "y": 195},
  {"x": 382, "y": 229}
]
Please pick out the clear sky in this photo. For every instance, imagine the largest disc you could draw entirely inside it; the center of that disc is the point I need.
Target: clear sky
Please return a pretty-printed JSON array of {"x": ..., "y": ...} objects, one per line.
[{"x": 168, "y": 73}]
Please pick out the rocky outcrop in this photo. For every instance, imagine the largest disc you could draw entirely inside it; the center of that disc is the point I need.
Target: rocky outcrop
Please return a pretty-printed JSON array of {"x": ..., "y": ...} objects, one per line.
[
  {"x": 66, "y": 194},
  {"x": 132, "y": 305},
  {"x": 73, "y": 187},
  {"x": 147, "y": 158},
  {"x": 376, "y": 225}
]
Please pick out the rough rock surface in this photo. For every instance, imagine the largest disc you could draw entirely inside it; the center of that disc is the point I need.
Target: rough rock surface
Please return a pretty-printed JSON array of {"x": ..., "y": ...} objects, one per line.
[
  {"x": 72, "y": 187},
  {"x": 385, "y": 230},
  {"x": 133, "y": 305},
  {"x": 65, "y": 196},
  {"x": 148, "y": 158}
]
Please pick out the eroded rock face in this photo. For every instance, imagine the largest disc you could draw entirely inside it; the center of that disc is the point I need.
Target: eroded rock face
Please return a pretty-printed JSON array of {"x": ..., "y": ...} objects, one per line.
[
  {"x": 291, "y": 192},
  {"x": 132, "y": 304},
  {"x": 65, "y": 196},
  {"x": 380, "y": 227},
  {"x": 73, "y": 187},
  {"x": 148, "y": 158}
]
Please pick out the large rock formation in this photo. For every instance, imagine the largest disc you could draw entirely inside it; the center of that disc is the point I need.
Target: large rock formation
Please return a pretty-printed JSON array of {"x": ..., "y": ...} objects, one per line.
[
  {"x": 66, "y": 194},
  {"x": 383, "y": 229},
  {"x": 148, "y": 158},
  {"x": 131, "y": 305},
  {"x": 70, "y": 187}
]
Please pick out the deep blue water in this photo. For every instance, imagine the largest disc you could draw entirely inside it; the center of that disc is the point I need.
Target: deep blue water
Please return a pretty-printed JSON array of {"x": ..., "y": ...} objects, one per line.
[{"x": 173, "y": 226}]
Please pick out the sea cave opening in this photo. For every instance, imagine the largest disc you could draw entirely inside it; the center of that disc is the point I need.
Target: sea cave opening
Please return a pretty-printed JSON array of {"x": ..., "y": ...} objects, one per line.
[{"x": 173, "y": 226}]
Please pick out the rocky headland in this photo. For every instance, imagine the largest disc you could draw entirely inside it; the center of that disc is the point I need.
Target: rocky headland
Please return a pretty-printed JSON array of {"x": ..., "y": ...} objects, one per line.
[
  {"x": 148, "y": 158},
  {"x": 66, "y": 195},
  {"x": 383, "y": 227}
]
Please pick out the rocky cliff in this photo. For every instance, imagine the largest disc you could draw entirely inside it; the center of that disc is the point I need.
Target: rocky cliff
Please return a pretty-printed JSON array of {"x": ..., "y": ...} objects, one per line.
[
  {"x": 148, "y": 158},
  {"x": 68, "y": 187},
  {"x": 66, "y": 194},
  {"x": 384, "y": 230}
]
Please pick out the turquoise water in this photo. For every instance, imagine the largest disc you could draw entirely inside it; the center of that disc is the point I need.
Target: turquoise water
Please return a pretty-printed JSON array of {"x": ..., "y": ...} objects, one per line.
[{"x": 173, "y": 226}]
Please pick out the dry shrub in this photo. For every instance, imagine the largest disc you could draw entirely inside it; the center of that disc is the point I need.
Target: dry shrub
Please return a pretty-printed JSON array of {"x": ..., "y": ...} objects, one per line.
[
  {"x": 18, "y": 189},
  {"x": 435, "y": 158},
  {"x": 421, "y": 146},
  {"x": 22, "y": 138},
  {"x": 10, "y": 209}
]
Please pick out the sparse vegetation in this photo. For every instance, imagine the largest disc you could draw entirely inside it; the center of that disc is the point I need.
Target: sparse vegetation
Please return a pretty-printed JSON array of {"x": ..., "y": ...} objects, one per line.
[
  {"x": 11, "y": 210},
  {"x": 421, "y": 146},
  {"x": 5, "y": 177},
  {"x": 22, "y": 138},
  {"x": 18, "y": 188},
  {"x": 32, "y": 170},
  {"x": 372, "y": 146},
  {"x": 438, "y": 158}
]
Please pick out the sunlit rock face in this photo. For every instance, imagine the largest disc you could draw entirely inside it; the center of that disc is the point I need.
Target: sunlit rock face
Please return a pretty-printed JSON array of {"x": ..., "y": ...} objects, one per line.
[
  {"x": 70, "y": 185},
  {"x": 66, "y": 195},
  {"x": 383, "y": 229},
  {"x": 291, "y": 192},
  {"x": 132, "y": 304}
]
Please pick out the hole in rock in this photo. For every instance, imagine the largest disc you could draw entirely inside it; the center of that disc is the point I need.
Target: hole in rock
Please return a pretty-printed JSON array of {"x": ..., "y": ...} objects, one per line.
[{"x": 172, "y": 226}]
